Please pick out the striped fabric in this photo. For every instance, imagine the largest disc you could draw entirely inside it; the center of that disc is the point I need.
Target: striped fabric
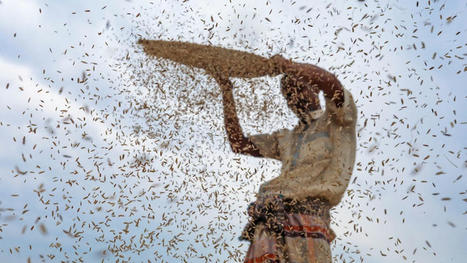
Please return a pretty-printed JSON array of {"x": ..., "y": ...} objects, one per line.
[{"x": 286, "y": 230}]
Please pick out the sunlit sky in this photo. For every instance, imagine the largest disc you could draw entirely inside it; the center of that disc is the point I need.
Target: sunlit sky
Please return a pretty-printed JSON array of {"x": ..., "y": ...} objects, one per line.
[{"x": 87, "y": 172}]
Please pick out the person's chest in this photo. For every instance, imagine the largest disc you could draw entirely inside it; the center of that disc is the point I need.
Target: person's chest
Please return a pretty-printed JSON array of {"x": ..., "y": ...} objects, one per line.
[{"x": 310, "y": 145}]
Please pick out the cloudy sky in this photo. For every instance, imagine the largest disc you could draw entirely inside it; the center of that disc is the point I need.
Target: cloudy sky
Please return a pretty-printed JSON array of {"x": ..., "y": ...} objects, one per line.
[{"x": 107, "y": 155}]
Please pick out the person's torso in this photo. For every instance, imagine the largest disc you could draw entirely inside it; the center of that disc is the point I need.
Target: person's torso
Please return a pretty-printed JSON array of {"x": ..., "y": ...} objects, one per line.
[
  {"x": 308, "y": 156},
  {"x": 306, "y": 146}
]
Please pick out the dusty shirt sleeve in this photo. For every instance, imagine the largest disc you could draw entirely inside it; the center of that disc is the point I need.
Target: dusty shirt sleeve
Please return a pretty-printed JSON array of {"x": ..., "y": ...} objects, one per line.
[
  {"x": 268, "y": 144},
  {"x": 347, "y": 113}
]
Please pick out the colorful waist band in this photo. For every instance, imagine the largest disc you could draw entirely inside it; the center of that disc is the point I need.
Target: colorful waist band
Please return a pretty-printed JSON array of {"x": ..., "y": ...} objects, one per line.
[{"x": 290, "y": 217}]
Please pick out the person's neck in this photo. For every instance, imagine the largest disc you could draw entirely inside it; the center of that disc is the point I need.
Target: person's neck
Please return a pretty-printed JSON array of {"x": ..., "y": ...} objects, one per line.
[{"x": 310, "y": 118}]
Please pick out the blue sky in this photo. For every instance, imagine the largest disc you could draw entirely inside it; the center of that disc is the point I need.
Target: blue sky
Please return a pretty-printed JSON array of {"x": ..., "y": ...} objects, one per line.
[{"x": 95, "y": 178}]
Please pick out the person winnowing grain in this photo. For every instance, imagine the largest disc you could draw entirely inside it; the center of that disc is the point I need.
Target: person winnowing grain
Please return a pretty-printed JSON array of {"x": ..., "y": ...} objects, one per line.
[{"x": 290, "y": 220}]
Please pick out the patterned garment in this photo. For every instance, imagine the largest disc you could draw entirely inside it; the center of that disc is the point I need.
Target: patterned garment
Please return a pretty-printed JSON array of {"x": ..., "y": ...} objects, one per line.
[{"x": 287, "y": 230}]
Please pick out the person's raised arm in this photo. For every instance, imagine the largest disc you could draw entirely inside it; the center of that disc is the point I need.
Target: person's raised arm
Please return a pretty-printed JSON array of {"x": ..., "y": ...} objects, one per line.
[
  {"x": 238, "y": 142},
  {"x": 311, "y": 75},
  {"x": 339, "y": 101},
  {"x": 257, "y": 146}
]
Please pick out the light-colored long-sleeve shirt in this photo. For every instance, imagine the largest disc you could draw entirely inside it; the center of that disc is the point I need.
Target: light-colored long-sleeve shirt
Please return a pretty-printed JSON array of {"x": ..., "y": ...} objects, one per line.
[{"x": 317, "y": 158}]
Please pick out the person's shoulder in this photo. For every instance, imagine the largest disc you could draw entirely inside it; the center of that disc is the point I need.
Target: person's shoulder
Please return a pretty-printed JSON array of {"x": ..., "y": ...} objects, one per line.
[
  {"x": 345, "y": 114},
  {"x": 348, "y": 100},
  {"x": 281, "y": 136}
]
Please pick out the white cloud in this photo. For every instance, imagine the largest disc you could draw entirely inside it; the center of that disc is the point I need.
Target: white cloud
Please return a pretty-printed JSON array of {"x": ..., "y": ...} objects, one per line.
[
  {"x": 24, "y": 90},
  {"x": 19, "y": 14}
]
